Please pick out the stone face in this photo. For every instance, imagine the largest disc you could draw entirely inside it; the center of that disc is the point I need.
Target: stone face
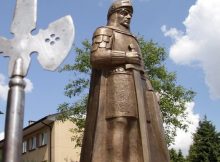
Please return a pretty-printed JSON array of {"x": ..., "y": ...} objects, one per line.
[{"x": 123, "y": 117}]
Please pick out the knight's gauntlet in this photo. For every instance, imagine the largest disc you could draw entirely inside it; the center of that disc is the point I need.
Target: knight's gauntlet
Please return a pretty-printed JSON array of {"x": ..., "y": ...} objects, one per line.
[
  {"x": 121, "y": 57},
  {"x": 118, "y": 57}
]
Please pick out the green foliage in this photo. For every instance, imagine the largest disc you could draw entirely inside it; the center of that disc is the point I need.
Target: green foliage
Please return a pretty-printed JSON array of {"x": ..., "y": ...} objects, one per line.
[
  {"x": 75, "y": 113},
  {"x": 173, "y": 155},
  {"x": 78, "y": 86},
  {"x": 181, "y": 158},
  {"x": 172, "y": 96},
  {"x": 176, "y": 157},
  {"x": 206, "y": 143}
]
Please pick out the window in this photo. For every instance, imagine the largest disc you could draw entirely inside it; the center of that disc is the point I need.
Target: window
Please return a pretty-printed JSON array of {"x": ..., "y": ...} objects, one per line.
[
  {"x": 43, "y": 139},
  {"x": 24, "y": 147},
  {"x": 32, "y": 143}
]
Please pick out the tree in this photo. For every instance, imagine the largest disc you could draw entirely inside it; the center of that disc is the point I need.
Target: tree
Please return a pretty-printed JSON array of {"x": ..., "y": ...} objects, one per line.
[
  {"x": 173, "y": 97},
  {"x": 206, "y": 143},
  {"x": 173, "y": 155},
  {"x": 181, "y": 158},
  {"x": 176, "y": 157}
]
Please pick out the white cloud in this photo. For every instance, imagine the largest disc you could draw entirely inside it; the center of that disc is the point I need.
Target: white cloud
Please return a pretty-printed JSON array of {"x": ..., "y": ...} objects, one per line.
[
  {"x": 4, "y": 87},
  {"x": 2, "y": 136},
  {"x": 200, "y": 42},
  {"x": 29, "y": 85},
  {"x": 184, "y": 139}
]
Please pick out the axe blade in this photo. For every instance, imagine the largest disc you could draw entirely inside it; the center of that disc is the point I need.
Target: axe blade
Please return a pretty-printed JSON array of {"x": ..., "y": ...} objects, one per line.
[
  {"x": 54, "y": 43},
  {"x": 4, "y": 44},
  {"x": 25, "y": 17}
]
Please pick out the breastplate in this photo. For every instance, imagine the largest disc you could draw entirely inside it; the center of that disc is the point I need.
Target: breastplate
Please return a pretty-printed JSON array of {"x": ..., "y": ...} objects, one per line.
[{"x": 122, "y": 41}]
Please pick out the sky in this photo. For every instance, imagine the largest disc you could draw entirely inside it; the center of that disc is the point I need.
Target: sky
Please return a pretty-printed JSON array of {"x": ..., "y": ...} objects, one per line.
[{"x": 187, "y": 29}]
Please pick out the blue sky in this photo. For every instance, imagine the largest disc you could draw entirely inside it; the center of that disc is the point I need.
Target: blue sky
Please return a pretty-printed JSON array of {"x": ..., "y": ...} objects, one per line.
[{"x": 192, "y": 47}]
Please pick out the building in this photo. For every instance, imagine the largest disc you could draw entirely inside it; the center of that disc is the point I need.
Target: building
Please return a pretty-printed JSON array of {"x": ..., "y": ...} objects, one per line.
[{"x": 48, "y": 140}]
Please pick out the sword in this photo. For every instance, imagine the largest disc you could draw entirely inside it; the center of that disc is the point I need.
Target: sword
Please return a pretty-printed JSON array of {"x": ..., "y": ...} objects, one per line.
[
  {"x": 141, "y": 108},
  {"x": 52, "y": 45}
]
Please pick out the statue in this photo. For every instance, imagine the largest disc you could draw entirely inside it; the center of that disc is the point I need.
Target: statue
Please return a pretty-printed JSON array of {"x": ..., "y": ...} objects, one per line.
[{"x": 123, "y": 117}]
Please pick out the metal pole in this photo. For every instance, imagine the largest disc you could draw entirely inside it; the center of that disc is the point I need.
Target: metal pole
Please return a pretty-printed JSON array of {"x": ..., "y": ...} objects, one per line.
[{"x": 14, "y": 115}]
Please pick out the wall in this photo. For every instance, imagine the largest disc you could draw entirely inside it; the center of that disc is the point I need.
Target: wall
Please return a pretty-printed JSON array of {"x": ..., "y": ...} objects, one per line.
[
  {"x": 63, "y": 149},
  {"x": 41, "y": 153}
]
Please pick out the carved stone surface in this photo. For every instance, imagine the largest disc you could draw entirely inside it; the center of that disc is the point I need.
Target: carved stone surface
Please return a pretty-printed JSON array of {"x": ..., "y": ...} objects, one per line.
[{"x": 123, "y": 117}]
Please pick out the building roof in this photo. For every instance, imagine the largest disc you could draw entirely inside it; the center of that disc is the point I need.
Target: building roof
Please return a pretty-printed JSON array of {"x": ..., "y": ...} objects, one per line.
[{"x": 36, "y": 125}]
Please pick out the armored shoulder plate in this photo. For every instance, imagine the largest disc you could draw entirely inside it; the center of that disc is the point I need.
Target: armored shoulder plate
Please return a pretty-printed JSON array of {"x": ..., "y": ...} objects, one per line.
[{"x": 102, "y": 38}]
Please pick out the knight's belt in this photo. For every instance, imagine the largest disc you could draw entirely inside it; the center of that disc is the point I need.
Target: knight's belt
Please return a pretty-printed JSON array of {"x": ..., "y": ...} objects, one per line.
[{"x": 126, "y": 69}]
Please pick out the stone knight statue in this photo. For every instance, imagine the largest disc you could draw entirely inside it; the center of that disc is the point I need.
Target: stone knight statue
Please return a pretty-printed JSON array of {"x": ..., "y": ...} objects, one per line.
[{"x": 123, "y": 117}]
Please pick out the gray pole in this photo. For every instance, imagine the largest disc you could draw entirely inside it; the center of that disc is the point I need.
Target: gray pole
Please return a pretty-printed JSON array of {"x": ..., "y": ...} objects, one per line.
[
  {"x": 14, "y": 116},
  {"x": 52, "y": 45}
]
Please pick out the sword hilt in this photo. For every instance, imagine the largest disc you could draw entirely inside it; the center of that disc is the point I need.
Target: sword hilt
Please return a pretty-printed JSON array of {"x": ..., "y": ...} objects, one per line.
[{"x": 131, "y": 47}]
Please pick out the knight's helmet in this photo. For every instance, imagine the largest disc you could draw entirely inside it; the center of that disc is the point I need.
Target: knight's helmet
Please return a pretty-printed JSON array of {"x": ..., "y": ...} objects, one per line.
[{"x": 119, "y": 4}]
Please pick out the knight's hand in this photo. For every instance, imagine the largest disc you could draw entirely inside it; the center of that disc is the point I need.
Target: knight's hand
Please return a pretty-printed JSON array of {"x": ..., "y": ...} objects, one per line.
[{"x": 133, "y": 58}]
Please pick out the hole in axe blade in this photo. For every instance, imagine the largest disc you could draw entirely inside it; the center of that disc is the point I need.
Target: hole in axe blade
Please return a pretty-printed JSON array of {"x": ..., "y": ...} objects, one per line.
[
  {"x": 52, "y": 43},
  {"x": 57, "y": 38},
  {"x": 34, "y": 31},
  {"x": 33, "y": 53},
  {"x": 52, "y": 35},
  {"x": 47, "y": 40}
]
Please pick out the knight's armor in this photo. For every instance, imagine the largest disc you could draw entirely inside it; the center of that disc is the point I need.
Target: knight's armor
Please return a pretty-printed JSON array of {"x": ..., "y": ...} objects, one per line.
[
  {"x": 115, "y": 129},
  {"x": 109, "y": 54}
]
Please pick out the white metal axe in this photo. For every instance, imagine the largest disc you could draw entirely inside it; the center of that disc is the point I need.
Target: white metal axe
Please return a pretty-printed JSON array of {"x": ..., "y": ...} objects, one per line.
[{"x": 52, "y": 45}]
